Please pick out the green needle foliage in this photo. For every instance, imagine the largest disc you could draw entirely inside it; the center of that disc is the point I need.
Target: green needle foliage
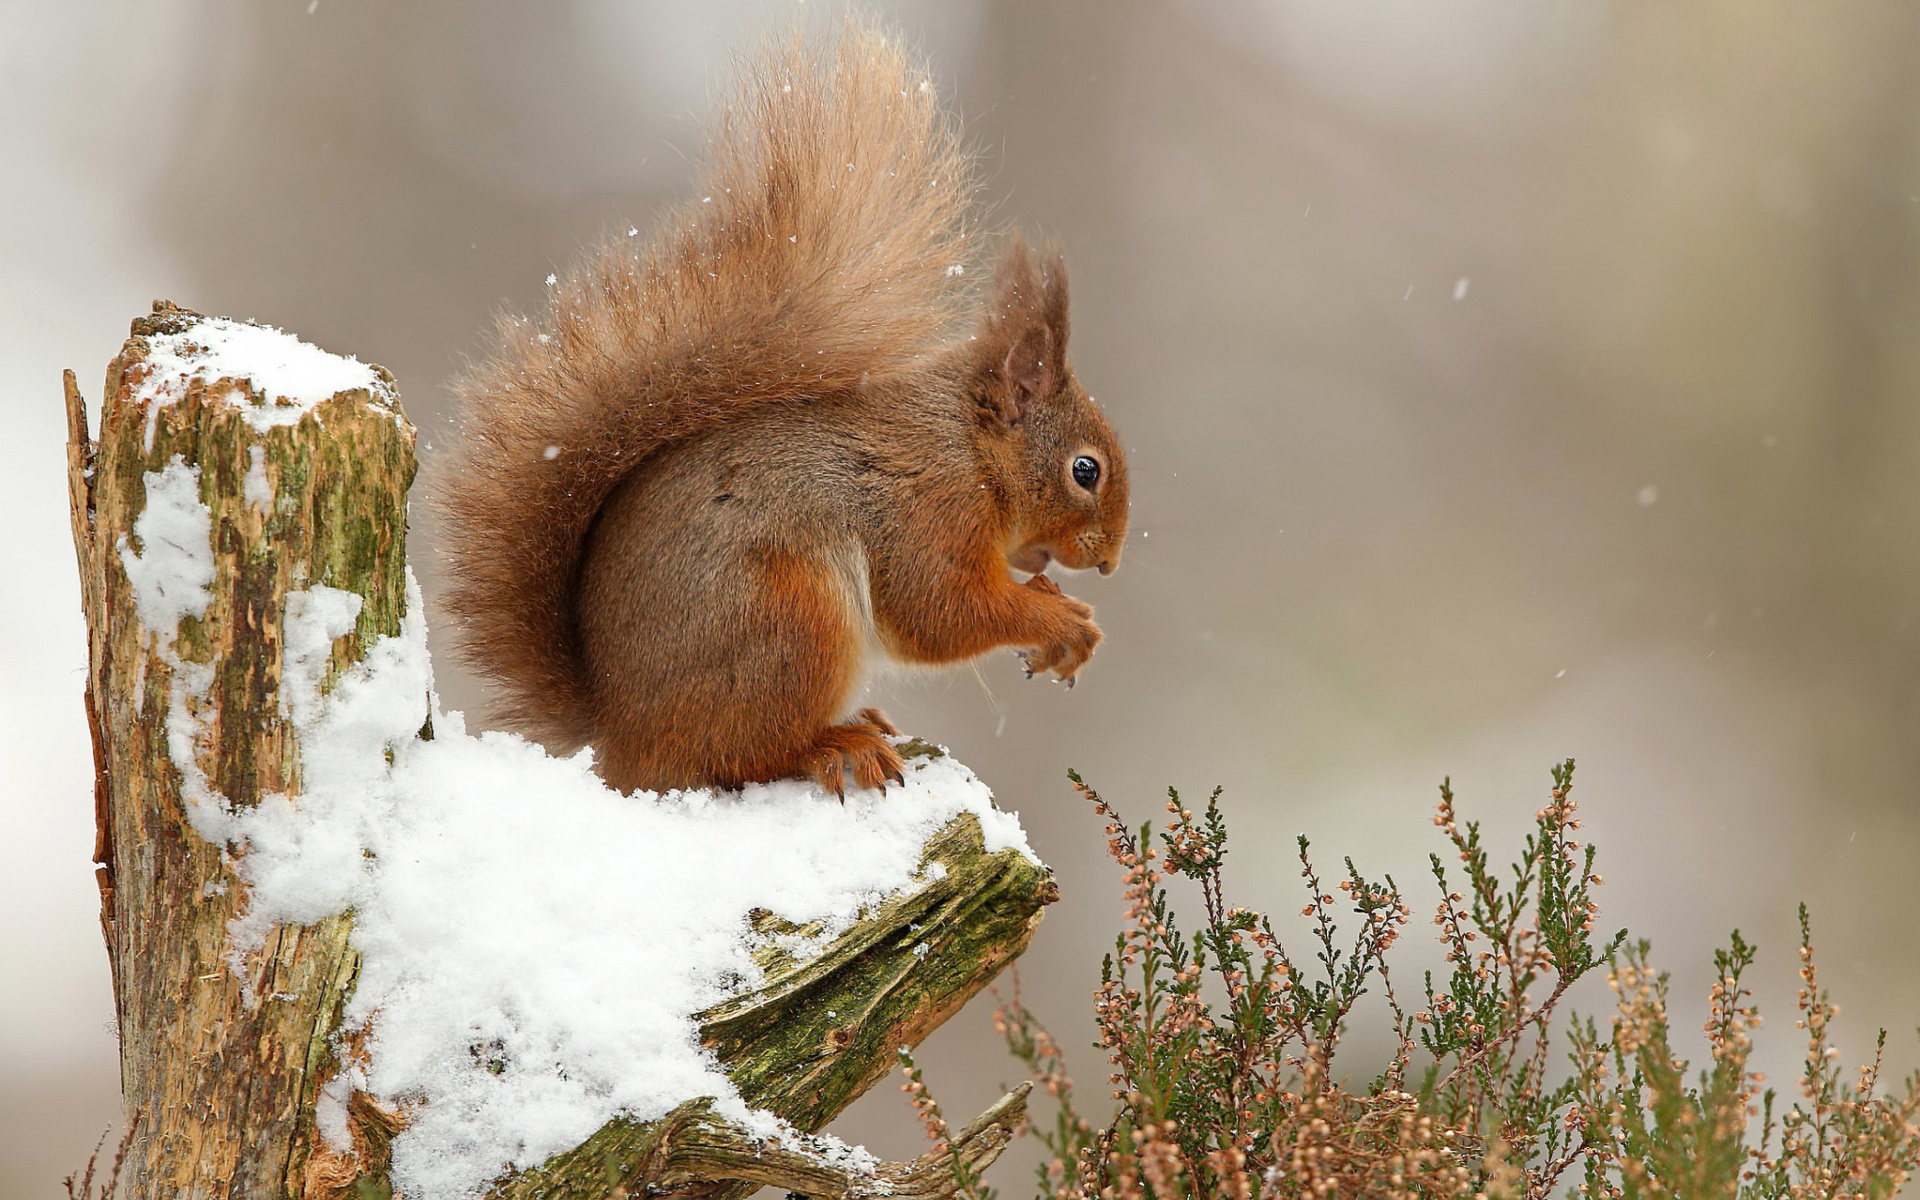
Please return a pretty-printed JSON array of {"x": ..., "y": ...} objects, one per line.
[{"x": 1221, "y": 1047}]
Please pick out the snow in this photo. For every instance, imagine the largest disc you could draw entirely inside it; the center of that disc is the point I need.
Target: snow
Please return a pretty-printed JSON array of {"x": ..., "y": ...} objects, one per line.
[
  {"x": 286, "y": 377},
  {"x": 257, "y": 488},
  {"x": 173, "y": 568},
  {"x": 185, "y": 733},
  {"x": 534, "y": 945},
  {"x": 171, "y": 576},
  {"x": 316, "y": 618}
]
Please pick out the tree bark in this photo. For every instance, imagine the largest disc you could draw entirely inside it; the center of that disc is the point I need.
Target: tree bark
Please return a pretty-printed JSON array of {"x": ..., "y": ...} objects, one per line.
[
  {"x": 223, "y": 1053},
  {"x": 221, "y": 1061}
]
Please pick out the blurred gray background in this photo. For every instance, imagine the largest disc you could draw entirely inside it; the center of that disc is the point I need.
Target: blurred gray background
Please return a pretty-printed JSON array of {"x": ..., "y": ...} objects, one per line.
[{"x": 1503, "y": 381}]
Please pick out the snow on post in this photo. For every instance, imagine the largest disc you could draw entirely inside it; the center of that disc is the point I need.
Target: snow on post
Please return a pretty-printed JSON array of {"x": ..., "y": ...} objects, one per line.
[{"x": 356, "y": 947}]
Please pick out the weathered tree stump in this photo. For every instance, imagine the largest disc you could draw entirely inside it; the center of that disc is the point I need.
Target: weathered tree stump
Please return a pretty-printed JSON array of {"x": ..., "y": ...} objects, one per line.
[
  {"x": 224, "y": 1053},
  {"x": 223, "y": 1089}
]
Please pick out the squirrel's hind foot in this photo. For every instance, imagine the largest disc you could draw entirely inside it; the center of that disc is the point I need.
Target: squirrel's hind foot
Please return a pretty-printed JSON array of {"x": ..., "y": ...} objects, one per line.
[{"x": 860, "y": 746}]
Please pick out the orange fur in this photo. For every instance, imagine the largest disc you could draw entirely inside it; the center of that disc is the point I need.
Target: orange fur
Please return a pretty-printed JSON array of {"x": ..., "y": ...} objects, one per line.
[{"x": 735, "y": 462}]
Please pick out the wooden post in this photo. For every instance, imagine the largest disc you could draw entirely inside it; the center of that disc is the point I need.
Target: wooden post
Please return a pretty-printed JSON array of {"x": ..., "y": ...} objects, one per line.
[
  {"x": 221, "y": 1067},
  {"x": 224, "y": 1048}
]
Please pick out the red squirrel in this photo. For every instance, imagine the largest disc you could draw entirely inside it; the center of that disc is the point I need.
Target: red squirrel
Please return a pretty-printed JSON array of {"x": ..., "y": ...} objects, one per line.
[{"x": 739, "y": 464}]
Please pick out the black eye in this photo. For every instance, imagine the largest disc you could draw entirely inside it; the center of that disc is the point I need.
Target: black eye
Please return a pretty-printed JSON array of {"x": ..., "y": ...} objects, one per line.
[{"x": 1086, "y": 472}]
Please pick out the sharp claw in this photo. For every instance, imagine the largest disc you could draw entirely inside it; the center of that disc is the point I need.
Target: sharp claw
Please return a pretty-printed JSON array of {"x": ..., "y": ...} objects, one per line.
[{"x": 1071, "y": 680}]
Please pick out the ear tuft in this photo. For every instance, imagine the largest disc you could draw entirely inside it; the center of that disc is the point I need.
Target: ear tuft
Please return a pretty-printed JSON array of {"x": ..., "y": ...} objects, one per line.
[
  {"x": 1026, "y": 332},
  {"x": 1053, "y": 285}
]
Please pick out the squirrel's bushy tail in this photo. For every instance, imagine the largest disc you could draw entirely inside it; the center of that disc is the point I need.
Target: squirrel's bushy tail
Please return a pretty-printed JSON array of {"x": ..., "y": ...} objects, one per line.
[{"x": 827, "y": 244}]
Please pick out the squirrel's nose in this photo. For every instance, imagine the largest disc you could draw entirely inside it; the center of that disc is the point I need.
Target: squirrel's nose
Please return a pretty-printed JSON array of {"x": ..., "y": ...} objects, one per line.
[{"x": 1108, "y": 564}]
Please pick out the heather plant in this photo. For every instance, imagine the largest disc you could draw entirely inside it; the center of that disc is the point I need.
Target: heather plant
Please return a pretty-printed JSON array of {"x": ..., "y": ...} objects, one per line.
[
  {"x": 1222, "y": 1047},
  {"x": 80, "y": 1184},
  {"x": 1650, "y": 1135}
]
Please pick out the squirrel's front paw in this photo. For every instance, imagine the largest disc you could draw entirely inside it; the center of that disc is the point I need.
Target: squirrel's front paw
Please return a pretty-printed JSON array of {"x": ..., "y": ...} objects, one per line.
[
  {"x": 1072, "y": 638},
  {"x": 1047, "y": 587}
]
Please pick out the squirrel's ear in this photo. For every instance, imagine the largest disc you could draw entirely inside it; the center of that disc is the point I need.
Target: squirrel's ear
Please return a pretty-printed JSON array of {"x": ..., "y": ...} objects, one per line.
[
  {"x": 1026, "y": 332},
  {"x": 1026, "y": 372}
]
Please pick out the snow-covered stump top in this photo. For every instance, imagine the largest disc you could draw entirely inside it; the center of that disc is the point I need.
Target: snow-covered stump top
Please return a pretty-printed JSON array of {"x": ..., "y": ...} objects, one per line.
[{"x": 457, "y": 937}]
